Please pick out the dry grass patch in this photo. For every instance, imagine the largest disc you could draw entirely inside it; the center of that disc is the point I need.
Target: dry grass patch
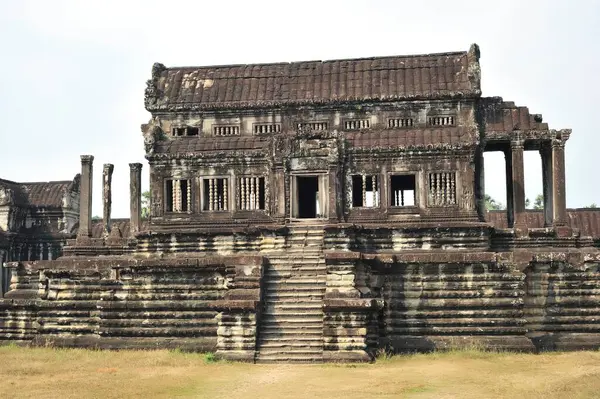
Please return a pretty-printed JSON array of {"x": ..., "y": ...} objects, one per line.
[{"x": 71, "y": 373}]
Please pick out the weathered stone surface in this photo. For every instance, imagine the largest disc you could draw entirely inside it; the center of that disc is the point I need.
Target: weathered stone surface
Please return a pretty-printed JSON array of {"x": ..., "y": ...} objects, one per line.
[{"x": 313, "y": 211}]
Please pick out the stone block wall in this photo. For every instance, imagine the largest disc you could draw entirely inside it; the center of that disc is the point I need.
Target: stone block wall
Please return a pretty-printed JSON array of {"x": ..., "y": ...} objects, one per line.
[
  {"x": 562, "y": 302},
  {"x": 201, "y": 304},
  {"x": 404, "y": 302}
]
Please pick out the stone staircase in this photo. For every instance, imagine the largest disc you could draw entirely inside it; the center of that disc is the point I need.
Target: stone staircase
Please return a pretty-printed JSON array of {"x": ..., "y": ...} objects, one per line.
[{"x": 294, "y": 284}]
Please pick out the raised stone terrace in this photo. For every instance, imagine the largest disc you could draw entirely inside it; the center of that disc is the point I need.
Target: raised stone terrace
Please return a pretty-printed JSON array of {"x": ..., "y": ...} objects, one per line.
[{"x": 321, "y": 211}]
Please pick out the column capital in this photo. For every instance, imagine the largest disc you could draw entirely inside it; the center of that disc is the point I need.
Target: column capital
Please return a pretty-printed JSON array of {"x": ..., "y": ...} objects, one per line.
[
  {"x": 87, "y": 159},
  {"x": 108, "y": 168},
  {"x": 558, "y": 143},
  {"x": 135, "y": 166},
  {"x": 560, "y": 137},
  {"x": 517, "y": 144}
]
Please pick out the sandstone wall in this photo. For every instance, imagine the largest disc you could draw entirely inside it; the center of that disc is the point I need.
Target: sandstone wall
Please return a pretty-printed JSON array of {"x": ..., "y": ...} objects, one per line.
[
  {"x": 518, "y": 301},
  {"x": 207, "y": 304}
]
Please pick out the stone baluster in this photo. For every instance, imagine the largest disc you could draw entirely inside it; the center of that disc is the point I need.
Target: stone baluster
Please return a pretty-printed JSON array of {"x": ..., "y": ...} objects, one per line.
[
  {"x": 189, "y": 196},
  {"x": 210, "y": 195},
  {"x": 248, "y": 199},
  {"x": 243, "y": 193},
  {"x": 436, "y": 200},
  {"x": 224, "y": 194},
  {"x": 453, "y": 188},
  {"x": 364, "y": 190},
  {"x": 375, "y": 192},
  {"x": 252, "y": 194}
]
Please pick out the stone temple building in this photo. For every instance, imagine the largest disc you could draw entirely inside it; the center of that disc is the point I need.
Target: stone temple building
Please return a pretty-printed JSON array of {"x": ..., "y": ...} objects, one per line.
[
  {"x": 36, "y": 219},
  {"x": 322, "y": 211}
]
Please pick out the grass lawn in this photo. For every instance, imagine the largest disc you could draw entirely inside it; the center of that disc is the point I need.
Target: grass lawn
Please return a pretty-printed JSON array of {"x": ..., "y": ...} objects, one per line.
[{"x": 74, "y": 373}]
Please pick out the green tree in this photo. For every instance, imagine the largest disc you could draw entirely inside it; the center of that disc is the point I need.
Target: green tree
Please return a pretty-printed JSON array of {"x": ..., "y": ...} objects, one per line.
[
  {"x": 493, "y": 205},
  {"x": 539, "y": 202},
  {"x": 592, "y": 205},
  {"x": 145, "y": 204}
]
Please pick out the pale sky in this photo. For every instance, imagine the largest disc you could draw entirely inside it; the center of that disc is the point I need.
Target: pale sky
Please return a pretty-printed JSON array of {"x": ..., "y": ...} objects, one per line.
[{"x": 73, "y": 72}]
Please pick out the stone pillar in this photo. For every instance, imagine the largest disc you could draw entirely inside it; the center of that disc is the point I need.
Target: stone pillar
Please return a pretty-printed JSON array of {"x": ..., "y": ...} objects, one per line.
[
  {"x": 107, "y": 172},
  {"x": 518, "y": 186},
  {"x": 2, "y": 278},
  {"x": 558, "y": 184},
  {"x": 510, "y": 215},
  {"x": 85, "y": 196},
  {"x": 479, "y": 184},
  {"x": 546, "y": 155},
  {"x": 135, "y": 196}
]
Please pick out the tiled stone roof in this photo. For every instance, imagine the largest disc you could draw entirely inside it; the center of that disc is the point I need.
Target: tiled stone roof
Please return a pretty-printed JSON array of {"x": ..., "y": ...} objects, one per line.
[
  {"x": 587, "y": 220},
  {"x": 39, "y": 194},
  {"x": 48, "y": 194},
  {"x": 505, "y": 116},
  {"x": 258, "y": 85}
]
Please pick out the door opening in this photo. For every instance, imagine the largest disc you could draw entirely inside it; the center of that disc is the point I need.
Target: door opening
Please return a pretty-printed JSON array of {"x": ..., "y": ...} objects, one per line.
[{"x": 308, "y": 197}]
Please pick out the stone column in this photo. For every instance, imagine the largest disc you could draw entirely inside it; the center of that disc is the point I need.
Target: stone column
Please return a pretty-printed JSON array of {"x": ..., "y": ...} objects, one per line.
[
  {"x": 510, "y": 215},
  {"x": 546, "y": 156},
  {"x": 479, "y": 184},
  {"x": 518, "y": 186},
  {"x": 558, "y": 184},
  {"x": 85, "y": 196},
  {"x": 107, "y": 172},
  {"x": 135, "y": 197}
]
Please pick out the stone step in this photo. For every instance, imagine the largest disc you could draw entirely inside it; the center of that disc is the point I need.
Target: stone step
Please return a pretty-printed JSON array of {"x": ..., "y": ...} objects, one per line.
[
  {"x": 278, "y": 286},
  {"x": 282, "y": 275},
  {"x": 317, "y": 343},
  {"x": 287, "y": 352},
  {"x": 289, "y": 359},
  {"x": 302, "y": 339},
  {"x": 291, "y": 255},
  {"x": 288, "y": 268},
  {"x": 290, "y": 330},
  {"x": 295, "y": 296},
  {"x": 289, "y": 282},
  {"x": 273, "y": 268},
  {"x": 293, "y": 313},
  {"x": 277, "y": 320},
  {"x": 309, "y": 306}
]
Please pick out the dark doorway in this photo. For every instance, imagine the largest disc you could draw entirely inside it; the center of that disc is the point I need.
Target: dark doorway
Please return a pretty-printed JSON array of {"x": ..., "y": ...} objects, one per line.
[{"x": 307, "y": 195}]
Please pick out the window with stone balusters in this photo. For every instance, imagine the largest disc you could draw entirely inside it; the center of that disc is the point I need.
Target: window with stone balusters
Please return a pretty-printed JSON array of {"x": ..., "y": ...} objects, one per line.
[
  {"x": 442, "y": 189},
  {"x": 403, "y": 191},
  {"x": 216, "y": 193},
  {"x": 178, "y": 195},
  {"x": 251, "y": 193},
  {"x": 365, "y": 191}
]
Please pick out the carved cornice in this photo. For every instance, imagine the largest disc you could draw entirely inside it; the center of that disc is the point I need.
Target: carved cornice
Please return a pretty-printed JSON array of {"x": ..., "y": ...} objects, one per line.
[
  {"x": 241, "y": 105},
  {"x": 87, "y": 159},
  {"x": 135, "y": 167},
  {"x": 539, "y": 135}
]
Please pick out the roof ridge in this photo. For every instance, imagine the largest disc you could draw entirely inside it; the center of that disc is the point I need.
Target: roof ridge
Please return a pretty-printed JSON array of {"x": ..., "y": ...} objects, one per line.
[
  {"x": 383, "y": 57},
  {"x": 8, "y": 181},
  {"x": 47, "y": 182}
]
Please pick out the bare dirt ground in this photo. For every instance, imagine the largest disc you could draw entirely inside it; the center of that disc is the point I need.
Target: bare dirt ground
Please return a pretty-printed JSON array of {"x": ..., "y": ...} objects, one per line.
[{"x": 67, "y": 373}]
